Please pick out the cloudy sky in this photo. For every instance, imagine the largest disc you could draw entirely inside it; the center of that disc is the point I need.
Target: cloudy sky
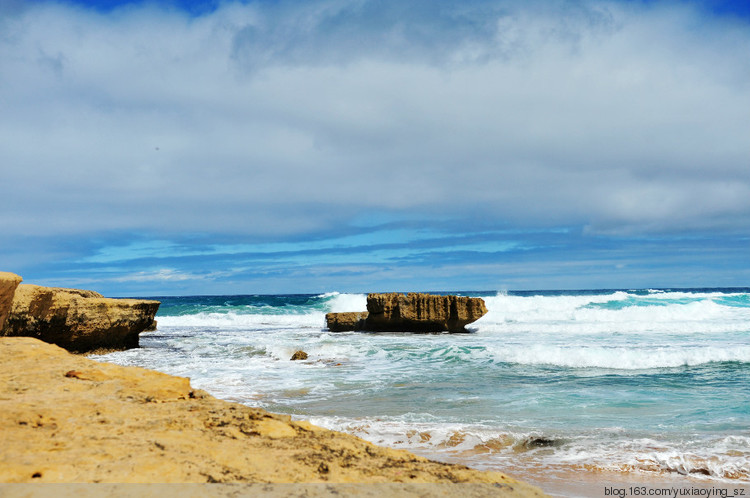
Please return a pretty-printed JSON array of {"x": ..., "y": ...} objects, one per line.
[{"x": 274, "y": 146}]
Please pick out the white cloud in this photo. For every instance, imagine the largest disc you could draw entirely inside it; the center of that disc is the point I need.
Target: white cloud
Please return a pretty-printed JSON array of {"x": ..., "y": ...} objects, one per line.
[
  {"x": 160, "y": 275},
  {"x": 169, "y": 275},
  {"x": 284, "y": 119}
]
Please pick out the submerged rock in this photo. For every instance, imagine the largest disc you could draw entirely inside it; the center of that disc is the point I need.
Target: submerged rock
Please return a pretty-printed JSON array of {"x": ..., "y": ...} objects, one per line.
[
  {"x": 541, "y": 442},
  {"x": 299, "y": 355},
  {"x": 413, "y": 312},
  {"x": 78, "y": 320}
]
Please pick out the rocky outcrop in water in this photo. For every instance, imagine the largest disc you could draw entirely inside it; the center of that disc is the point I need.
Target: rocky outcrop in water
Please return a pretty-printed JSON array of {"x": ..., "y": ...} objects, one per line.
[
  {"x": 78, "y": 320},
  {"x": 413, "y": 312},
  {"x": 8, "y": 284}
]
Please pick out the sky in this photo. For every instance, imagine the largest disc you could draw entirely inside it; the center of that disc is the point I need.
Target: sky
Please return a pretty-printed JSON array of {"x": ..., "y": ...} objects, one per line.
[{"x": 152, "y": 148}]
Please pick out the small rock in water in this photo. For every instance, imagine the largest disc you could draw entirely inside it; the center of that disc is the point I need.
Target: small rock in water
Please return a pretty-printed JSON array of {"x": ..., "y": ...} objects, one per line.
[
  {"x": 541, "y": 442},
  {"x": 299, "y": 355}
]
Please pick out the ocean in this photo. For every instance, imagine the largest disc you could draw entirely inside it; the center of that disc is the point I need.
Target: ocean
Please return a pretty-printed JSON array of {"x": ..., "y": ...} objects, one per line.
[{"x": 641, "y": 384}]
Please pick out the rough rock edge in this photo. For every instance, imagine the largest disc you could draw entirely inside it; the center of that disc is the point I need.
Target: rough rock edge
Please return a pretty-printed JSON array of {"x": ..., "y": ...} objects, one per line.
[
  {"x": 78, "y": 320},
  {"x": 67, "y": 418}
]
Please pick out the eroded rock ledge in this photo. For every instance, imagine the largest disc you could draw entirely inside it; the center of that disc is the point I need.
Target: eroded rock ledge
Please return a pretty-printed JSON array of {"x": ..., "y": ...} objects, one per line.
[
  {"x": 412, "y": 312},
  {"x": 77, "y": 320},
  {"x": 67, "y": 418}
]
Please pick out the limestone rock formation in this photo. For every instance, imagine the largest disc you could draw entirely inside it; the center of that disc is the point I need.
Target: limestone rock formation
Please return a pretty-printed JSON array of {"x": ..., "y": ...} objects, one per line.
[
  {"x": 78, "y": 320},
  {"x": 66, "y": 418},
  {"x": 8, "y": 284},
  {"x": 422, "y": 312},
  {"x": 413, "y": 312}
]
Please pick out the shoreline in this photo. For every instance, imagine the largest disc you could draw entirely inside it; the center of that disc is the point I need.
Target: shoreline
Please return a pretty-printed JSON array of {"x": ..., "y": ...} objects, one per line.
[
  {"x": 72, "y": 419},
  {"x": 584, "y": 481},
  {"x": 575, "y": 482}
]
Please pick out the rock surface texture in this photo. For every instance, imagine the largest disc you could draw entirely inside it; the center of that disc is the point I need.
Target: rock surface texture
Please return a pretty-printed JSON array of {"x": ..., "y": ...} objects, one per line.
[
  {"x": 343, "y": 322},
  {"x": 413, "y": 312},
  {"x": 299, "y": 355},
  {"x": 67, "y": 418},
  {"x": 78, "y": 320},
  {"x": 8, "y": 284}
]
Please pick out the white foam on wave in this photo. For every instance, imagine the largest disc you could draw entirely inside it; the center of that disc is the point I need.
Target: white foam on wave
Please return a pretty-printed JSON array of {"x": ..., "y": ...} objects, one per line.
[
  {"x": 243, "y": 320},
  {"x": 573, "y": 355},
  {"x": 266, "y": 315},
  {"x": 516, "y": 348},
  {"x": 622, "y": 358},
  {"x": 724, "y": 459},
  {"x": 339, "y": 303},
  {"x": 722, "y": 467},
  {"x": 619, "y": 312}
]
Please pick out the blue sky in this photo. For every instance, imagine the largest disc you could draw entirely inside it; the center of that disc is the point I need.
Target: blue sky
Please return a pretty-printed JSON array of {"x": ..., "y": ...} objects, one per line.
[{"x": 219, "y": 147}]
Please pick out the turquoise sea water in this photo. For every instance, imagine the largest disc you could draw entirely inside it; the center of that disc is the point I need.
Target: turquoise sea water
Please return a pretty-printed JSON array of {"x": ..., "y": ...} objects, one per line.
[{"x": 646, "y": 382}]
